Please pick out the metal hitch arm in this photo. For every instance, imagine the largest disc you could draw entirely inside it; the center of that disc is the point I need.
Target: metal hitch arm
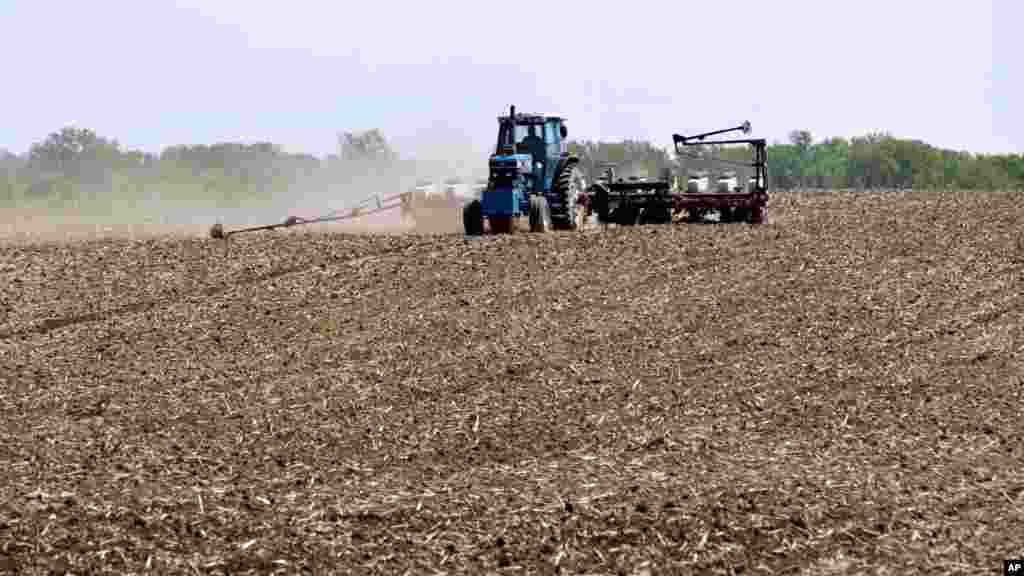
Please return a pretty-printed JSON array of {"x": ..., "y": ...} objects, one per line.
[{"x": 383, "y": 205}]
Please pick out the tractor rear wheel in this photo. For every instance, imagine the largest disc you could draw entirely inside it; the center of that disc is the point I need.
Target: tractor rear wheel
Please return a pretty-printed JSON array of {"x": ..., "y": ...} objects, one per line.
[
  {"x": 540, "y": 214},
  {"x": 472, "y": 219},
  {"x": 567, "y": 187}
]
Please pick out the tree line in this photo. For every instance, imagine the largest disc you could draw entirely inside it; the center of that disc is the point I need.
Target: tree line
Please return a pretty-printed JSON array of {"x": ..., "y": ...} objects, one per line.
[
  {"x": 75, "y": 164},
  {"x": 77, "y": 168},
  {"x": 873, "y": 161}
]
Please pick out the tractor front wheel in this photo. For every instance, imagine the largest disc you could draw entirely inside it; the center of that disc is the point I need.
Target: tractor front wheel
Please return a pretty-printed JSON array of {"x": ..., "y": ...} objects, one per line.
[
  {"x": 500, "y": 224},
  {"x": 472, "y": 219}
]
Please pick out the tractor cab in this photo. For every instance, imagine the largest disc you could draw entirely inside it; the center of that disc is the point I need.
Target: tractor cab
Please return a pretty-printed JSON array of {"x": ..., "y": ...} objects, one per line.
[{"x": 534, "y": 144}]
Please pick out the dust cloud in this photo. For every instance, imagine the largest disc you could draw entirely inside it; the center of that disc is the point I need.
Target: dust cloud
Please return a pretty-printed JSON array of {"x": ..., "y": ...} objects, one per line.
[
  {"x": 436, "y": 154},
  {"x": 166, "y": 208}
]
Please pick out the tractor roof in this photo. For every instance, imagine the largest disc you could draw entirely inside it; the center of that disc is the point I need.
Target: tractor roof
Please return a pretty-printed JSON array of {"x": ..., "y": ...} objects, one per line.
[{"x": 526, "y": 118}]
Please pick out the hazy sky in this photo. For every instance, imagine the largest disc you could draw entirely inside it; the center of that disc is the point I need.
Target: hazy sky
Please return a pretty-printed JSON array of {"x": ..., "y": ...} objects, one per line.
[{"x": 156, "y": 73}]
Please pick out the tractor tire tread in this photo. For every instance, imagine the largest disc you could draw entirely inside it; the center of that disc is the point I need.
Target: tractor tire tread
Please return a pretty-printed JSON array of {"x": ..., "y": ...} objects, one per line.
[{"x": 564, "y": 217}]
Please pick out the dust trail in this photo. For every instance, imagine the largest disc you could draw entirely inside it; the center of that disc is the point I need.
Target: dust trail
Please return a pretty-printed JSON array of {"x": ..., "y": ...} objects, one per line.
[
  {"x": 161, "y": 207},
  {"x": 439, "y": 153}
]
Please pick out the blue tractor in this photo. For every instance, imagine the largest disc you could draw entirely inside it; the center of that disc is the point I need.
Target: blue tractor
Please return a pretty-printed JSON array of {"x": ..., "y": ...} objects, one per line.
[{"x": 531, "y": 173}]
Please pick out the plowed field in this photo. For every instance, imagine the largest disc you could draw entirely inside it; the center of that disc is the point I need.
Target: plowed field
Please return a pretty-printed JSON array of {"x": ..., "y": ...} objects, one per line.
[{"x": 839, "y": 391}]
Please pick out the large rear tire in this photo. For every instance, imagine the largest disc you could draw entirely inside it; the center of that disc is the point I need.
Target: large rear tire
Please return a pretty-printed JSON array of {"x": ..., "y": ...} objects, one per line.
[
  {"x": 540, "y": 214},
  {"x": 472, "y": 219},
  {"x": 568, "y": 186}
]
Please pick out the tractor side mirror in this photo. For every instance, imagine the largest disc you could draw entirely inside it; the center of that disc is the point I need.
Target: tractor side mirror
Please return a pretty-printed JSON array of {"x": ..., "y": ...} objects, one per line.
[
  {"x": 563, "y": 131},
  {"x": 746, "y": 127}
]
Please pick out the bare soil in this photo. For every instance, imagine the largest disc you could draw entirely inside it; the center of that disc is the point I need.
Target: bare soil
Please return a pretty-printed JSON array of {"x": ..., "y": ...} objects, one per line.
[{"x": 839, "y": 391}]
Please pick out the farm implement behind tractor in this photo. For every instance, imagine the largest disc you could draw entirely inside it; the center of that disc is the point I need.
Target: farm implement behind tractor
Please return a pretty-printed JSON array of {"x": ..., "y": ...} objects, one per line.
[
  {"x": 649, "y": 201},
  {"x": 733, "y": 203}
]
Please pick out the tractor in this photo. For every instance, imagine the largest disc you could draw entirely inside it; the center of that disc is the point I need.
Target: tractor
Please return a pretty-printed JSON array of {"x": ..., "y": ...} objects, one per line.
[{"x": 530, "y": 173}]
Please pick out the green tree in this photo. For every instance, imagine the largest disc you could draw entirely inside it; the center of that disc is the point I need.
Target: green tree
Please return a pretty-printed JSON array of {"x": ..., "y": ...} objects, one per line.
[
  {"x": 630, "y": 157},
  {"x": 73, "y": 151}
]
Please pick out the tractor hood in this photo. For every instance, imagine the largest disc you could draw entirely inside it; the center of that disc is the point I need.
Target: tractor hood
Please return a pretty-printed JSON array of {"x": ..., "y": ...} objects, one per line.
[{"x": 521, "y": 163}]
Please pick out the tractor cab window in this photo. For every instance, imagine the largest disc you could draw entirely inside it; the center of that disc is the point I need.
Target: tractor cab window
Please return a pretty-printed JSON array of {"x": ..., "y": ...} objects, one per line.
[
  {"x": 520, "y": 133},
  {"x": 528, "y": 137},
  {"x": 523, "y": 132},
  {"x": 551, "y": 133}
]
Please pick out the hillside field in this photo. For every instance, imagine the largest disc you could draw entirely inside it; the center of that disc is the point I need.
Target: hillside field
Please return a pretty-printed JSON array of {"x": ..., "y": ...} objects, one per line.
[{"x": 839, "y": 391}]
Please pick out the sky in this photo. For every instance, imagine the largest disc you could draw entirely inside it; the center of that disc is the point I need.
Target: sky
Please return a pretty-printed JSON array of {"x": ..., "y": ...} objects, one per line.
[{"x": 158, "y": 73}]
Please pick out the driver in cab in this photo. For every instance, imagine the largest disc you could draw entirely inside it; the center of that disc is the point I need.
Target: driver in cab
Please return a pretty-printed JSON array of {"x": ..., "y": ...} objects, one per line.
[{"x": 531, "y": 142}]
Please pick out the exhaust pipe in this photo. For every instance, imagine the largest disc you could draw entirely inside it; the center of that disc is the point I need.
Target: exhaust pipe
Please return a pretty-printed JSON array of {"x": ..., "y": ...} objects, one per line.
[{"x": 509, "y": 146}]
